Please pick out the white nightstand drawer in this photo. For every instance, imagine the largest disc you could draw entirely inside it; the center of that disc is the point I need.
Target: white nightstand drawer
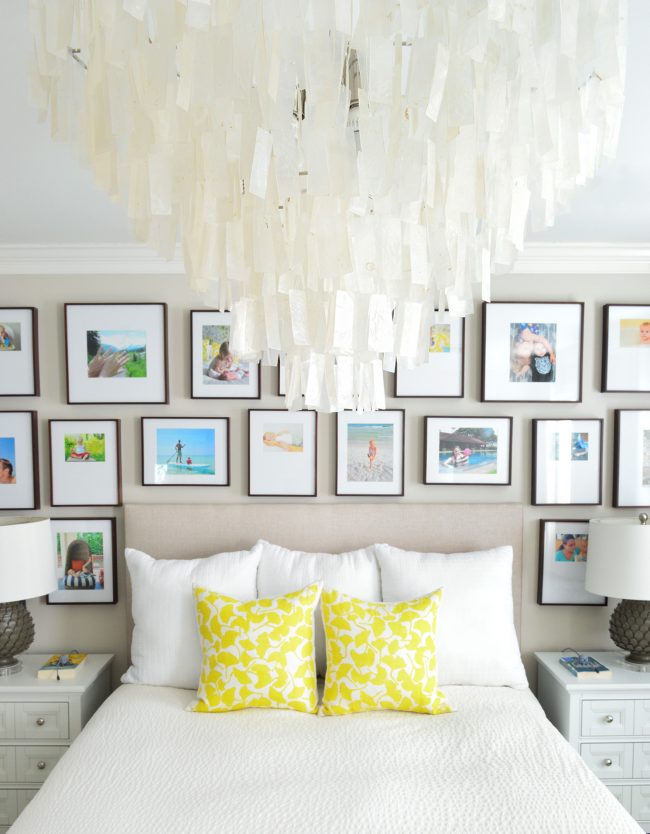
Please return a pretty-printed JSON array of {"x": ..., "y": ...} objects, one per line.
[
  {"x": 24, "y": 796},
  {"x": 609, "y": 760},
  {"x": 41, "y": 720},
  {"x": 7, "y": 721},
  {"x": 7, "y": 764},
  {"x": 607, "y": 718},
  {"x": 641, "y": 760},
  {"x": 8, "y": 806},
  {"x": 642, "y": 718},
  {"x": 33, "y": 764},
  {"x": 641, "y": 802},
  {"x": 623, "y": 793}
]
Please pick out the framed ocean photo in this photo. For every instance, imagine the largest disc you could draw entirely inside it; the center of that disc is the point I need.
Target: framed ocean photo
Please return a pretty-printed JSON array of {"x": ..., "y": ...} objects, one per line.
[
  {"x": 116, "y": 353},
  {"x": 185, "y": 451},
  {"x": 468, "y": 450},
  {"x": 19, "y": 352},
  {"x": 85, "y": 553},
  {"x": 282, "y": 452},
  {"x": 85, "y": 463},
  {"x": 216, "y": 371},
  {"x": 370, "y": 453}
]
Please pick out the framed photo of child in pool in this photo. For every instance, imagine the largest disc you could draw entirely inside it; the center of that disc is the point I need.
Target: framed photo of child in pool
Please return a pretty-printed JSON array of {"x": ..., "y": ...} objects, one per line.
[
  {"x": 370, "y": 452},
  {"x": 631, "y": 458},
  {"x": 532, "y": 352},
  {"x": 567, "y": 461},
  {"x": 19, "y": 484},
  {"x": 282, "y": 452},
  {"x": 563, "y": 554},
  {"x": 468, "y": 450},
  {"x": 85, "y": 463},
  {"x": 441, "y": 374},
  {"x": 116, "y": 353},
  {"x": 185, "y": 451},
  {"x": 19, "y": 352},
  {"x": 217, "y": 372},
  {"x": 85, "y": 556},
  {"x": 626, "y": 348}
]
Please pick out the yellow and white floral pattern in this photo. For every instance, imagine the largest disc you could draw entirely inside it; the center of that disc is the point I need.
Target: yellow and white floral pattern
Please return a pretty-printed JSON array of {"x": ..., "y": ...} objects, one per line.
[
  {"x": 258, "y": 653},
  {"x": 381, "y": 655}
]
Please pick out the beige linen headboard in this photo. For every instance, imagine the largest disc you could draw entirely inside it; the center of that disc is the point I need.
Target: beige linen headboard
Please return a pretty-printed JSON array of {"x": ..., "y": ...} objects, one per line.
[{"x": 188, "y": 531}]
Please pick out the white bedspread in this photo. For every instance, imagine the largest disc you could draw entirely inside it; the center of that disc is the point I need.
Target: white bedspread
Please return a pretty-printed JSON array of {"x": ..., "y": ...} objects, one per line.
[{"x": 496, "y": 766}]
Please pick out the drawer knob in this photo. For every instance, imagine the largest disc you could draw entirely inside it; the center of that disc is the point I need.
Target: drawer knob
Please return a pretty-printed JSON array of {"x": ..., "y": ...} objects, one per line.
[
  {"x": 609, "y": 719},
  {"x": 40, "y": 721},
  {"x": 608, "y": 762},
  {"x": 42, "y": 765}
]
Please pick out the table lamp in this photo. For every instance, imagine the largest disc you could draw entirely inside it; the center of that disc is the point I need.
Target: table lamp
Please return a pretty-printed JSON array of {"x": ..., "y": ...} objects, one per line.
[
  {"x": 618, "y": 565},
  {"x": 27, "y": 570}
]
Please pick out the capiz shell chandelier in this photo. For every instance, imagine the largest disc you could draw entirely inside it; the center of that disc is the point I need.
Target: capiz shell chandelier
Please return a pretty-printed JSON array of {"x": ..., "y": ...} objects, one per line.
[{"x": 336, "y": 170}]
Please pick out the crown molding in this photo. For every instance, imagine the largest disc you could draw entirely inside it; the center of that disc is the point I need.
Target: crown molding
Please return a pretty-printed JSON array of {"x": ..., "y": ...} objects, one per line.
[{"x": 137, "y": 259}]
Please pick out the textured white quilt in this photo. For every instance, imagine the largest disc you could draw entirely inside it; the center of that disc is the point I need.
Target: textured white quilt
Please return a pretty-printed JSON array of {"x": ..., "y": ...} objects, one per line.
[{"x": 496, "y": 766}]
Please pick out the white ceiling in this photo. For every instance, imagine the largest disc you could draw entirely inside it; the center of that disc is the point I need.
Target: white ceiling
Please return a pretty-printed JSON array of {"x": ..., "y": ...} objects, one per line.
[{"x": 47, "y": 196}]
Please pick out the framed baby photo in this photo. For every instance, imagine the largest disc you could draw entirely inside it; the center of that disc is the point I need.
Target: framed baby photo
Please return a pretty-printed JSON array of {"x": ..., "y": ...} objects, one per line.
[
  {"x": 567, "y": 461},
  {"x": 19, "y": 352},
  {"x": 626, "y": 348},
  {"x": 282, "y": 452},
  {"x": 19, "y": 484},
  {"x": 631, "y": 458},
  {"x": 116, "y": 353},
  {"x": 468, "y": 450},
  {"x": 370, "y": 452},
  {"x": 217, "y": 372},
  {"x": 532, "y": 352},
  {"x": 185, "y": 451},
  {"x": 441, "y": 374},
  {"x": 85, "y": 463},
  {"x": 563, "y": 554},
  {"x": 85, "y": 555}
]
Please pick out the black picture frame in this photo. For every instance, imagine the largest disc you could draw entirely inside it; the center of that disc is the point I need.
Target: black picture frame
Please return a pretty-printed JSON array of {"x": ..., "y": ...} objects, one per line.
[
  {"x": 543, "y": 591},
  {"x": 35, "y": 391},
  {"x": 311, "y": 493},
  {"x": 70, "y": 600},
  {"x": 567, "y": 453},
  {"x": 640, "y": 352},
  {"x": 365, "y": 417},
  {"x": 218, "y": 393},
  {"x": 466, "y": 420},
  {"x": 31, "y": 420}
]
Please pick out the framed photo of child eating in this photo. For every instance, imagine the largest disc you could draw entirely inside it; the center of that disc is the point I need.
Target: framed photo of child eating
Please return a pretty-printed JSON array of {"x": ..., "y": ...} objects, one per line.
[
  {"x": 532, "y": 351},
  {"x": 217, "y": 372},
  {"x": 626, "y": 348},
  {"x": 86, "y": 561}
]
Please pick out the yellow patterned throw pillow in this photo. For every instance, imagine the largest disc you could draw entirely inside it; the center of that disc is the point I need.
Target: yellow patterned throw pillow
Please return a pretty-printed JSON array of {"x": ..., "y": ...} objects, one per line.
[
  {"x": 258, "y": 653},
  {"x": 381, "y": 655}
]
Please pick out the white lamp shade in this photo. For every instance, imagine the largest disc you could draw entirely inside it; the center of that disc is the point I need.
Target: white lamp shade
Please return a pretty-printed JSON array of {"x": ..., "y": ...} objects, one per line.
[
  {"x": 26, "y": 559},
  {"x": 618, "y": 558}
]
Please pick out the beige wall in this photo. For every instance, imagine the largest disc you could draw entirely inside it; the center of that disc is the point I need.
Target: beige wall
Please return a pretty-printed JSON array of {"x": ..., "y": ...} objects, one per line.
[{"x": 103, "y": 628}]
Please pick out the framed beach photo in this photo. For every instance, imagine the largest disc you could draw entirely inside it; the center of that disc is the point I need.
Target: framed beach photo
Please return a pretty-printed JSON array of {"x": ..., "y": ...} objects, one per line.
[
  {"x": 567, "y": 461},
  {"x": 116, "y": 353},
  {"x": 442, "y": 374},
  {"x": 85, "y": 463},
  {"x": 563, "y": 554},
  {"x": 532, "y": 352},
  {"x": 282, "y": 451},
  {"x": 86, "y": 561},
  {"x": 632, "y": 458},
  {"x": 19, "y": 484},
  {"x": 467, "y": 450},
  {"x": 185, "y": 451},
  {"x": 626, "y": 348},
  {"x": 218, "y": 373},
  {"x": 19, "y": 352},
  {"x": 370, "y": 452}
]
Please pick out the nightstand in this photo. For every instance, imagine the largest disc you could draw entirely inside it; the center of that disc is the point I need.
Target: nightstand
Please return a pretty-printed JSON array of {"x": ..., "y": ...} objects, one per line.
[
  {"x": 38, "y": 720},
  {"x": 608, "y": 723}
]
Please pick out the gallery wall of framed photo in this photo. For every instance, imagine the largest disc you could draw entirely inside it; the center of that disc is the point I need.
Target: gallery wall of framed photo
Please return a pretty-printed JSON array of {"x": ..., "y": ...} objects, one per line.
[{"x": 112, "y": 387}]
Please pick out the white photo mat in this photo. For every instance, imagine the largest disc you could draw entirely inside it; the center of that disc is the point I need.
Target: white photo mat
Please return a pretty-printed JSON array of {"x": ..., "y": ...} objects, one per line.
[
  {"x": 567, "y": 461},
  {"x": 63, "y": 531},
  {"x": 18, "y": 364},
  {"x": 451, "y": 458},
  {"x": 632, "y": 458},
  {"x": 626, "y": 347},
  {"x": 370, "y": 453},
  {"x": 204, "y": 441},
  {"x": 19, "y": 445},
  {"x": 85, "y": 482},
  {"x": 441, "y": 375},
  {"x": 213, "y": 378},
  {"x": 566, "y": 322},
  {"x": 563, "y": 566},
  {"x": 282, "y": 448},
  {"x": 148, "y": 321}
]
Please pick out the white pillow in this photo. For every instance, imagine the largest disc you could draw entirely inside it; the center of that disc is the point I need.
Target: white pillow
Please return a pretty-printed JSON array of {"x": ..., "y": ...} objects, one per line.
[
  {"x": 476, "y": 642},
  {"x": 165, "y": 648},
  {"x": 355, "y": 573}
]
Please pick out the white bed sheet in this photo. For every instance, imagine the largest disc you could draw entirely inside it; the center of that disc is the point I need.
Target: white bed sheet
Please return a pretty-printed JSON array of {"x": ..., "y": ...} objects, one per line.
[{"x": 495, "y": 766}]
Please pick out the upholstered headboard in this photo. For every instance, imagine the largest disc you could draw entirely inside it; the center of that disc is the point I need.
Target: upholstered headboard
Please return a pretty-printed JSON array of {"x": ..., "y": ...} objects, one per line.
[{"x": 188, "y": 531}]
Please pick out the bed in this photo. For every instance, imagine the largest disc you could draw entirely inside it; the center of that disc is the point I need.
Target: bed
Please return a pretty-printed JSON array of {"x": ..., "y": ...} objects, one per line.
[{"x": 144, "y": 764}]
